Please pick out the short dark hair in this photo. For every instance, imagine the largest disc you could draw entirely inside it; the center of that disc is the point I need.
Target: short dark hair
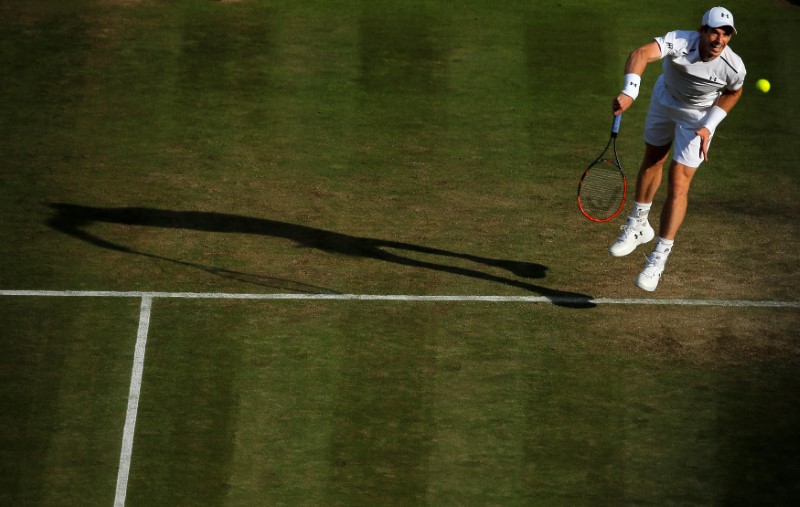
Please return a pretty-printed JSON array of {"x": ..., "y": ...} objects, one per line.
[{"x": 727, "y": 28}]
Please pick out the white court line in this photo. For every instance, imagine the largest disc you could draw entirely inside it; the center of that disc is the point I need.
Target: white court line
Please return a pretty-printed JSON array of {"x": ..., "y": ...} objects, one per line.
[
  {"x": 400, "y": 297},
  {"x": 133, "y": 402}
]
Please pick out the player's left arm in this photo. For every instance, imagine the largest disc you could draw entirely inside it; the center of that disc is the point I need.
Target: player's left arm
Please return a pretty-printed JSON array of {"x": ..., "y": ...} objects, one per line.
[
  {"x": 728, "y": 99},
  {"x": 718, "y": 111}
]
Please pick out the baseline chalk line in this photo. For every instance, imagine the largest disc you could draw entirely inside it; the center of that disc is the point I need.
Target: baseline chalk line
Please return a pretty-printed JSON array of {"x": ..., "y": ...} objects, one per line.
[
  {"x": 133, "y": 402},
  {"x": 401, "y": 297}
]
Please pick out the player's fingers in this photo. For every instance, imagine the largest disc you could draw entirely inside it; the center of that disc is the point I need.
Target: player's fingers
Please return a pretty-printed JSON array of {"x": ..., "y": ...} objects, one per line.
[
  {"x": 705, "y": 139},
  {"x": 704, "y": 148},
  {"x": 620, "y": 104}
]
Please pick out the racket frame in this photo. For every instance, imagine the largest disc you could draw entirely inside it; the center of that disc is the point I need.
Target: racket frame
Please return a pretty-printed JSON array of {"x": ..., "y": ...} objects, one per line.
[{"x": 602, "y": 158}]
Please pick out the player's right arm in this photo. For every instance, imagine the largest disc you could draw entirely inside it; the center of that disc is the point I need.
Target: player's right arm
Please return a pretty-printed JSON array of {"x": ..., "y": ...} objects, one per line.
[{"x": 637, "y": 61}]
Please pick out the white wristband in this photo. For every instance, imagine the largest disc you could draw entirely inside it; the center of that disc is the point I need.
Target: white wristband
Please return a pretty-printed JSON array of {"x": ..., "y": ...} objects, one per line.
[
  {"x": 632, "y": 83},
  {"x": 714, "y": 118}
]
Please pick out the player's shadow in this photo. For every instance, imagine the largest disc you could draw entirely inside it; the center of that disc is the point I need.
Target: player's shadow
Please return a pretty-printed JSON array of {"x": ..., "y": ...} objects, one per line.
[{"x": 74, "y": 220}]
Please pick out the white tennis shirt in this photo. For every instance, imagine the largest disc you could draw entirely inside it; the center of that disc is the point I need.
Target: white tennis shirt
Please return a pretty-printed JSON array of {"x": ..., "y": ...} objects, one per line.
[{"x": 690, "y": 80}]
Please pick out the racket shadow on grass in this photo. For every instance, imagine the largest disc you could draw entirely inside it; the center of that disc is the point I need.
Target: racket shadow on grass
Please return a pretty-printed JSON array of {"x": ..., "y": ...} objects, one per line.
[{"x": 72, "y": 219}]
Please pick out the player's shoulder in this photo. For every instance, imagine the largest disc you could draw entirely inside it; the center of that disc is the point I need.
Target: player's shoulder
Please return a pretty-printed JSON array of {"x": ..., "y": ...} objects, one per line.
[
  {"x": 733, "y": 60},
  {"x": 731, "y": 67},
  {"x": 685, "y": 38},
  {"x": 677, "y": 41},
  {"x": 687, "y": 35}
]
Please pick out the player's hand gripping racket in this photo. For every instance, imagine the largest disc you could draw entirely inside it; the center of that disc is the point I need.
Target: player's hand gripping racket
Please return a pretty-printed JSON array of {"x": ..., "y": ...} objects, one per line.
[{"x": 603, "y": 188}]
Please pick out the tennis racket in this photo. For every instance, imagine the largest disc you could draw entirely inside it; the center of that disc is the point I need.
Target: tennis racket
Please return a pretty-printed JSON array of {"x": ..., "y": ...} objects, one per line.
[{"x": 603, "y": 188}]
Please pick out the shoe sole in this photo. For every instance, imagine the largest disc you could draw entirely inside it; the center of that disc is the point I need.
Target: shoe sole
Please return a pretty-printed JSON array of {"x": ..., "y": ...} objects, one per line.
[
  {"x": 630, "y": 251},
  {"x": 646, "y": 287}
]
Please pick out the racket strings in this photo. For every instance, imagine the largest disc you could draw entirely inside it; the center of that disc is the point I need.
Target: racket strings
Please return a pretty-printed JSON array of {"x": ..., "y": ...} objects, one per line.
[{"x": 602, "y": 189}]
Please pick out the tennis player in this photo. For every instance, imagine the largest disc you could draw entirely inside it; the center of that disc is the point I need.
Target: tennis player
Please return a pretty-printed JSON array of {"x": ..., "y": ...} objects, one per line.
[{"x": 700, "y": 83}]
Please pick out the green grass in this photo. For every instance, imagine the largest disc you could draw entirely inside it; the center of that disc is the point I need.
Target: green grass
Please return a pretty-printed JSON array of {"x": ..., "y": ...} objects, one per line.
[
  {"x": 415, "y": 147},
  {"x": 63, "y": 392}
]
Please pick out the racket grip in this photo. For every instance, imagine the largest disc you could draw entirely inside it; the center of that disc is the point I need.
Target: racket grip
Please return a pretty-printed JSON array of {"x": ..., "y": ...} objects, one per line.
[{"x": 615, "y": 125}]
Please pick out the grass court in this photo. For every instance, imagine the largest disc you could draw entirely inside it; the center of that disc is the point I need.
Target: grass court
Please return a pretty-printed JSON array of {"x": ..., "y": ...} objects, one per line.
[{"x": 420, "y": 148}]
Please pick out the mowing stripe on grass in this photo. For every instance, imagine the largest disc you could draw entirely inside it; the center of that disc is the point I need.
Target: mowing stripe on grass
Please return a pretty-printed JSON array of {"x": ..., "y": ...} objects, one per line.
[
  {"x": 133, "y": 402},
  {"x": 401, "y": 297}
]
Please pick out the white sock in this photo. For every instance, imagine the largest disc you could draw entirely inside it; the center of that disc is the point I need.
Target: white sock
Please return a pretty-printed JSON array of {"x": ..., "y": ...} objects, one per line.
[
  {"x": 664, "y": 246},
  {"x": 640, "y": 210}
]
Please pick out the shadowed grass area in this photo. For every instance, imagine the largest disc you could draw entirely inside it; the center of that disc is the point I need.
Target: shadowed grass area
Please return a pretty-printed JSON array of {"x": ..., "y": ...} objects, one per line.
[
  {"x": 351, "y": 403},
  {"x": 64, "y": 373}
]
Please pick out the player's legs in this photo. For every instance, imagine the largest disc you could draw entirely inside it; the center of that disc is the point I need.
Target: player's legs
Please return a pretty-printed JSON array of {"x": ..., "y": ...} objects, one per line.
[
  {"x": 674, "y": 211},
  {"x": 686, "y": 160},
  {"x": 649, "y": 178},
  {"x": 637, "y": 229},
  {"x": 672, "y": 215}
]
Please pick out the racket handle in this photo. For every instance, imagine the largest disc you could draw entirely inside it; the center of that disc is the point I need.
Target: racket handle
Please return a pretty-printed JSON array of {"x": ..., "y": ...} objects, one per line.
[{"x": 615, "y": 125}]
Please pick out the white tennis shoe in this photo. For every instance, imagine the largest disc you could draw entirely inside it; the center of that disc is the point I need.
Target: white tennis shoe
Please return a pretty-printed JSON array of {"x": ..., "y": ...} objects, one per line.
[
  {"x": 634, "y": 233},
  {"x": 649, "y": 277}
]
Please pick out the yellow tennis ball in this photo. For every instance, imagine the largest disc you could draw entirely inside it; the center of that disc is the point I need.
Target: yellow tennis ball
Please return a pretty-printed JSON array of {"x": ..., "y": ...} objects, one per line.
[{"x": 763, "y": 85}]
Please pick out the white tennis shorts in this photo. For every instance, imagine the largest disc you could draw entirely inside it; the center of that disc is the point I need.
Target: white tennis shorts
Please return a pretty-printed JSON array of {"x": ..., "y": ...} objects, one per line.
[{"x": 670, "y": 121}]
